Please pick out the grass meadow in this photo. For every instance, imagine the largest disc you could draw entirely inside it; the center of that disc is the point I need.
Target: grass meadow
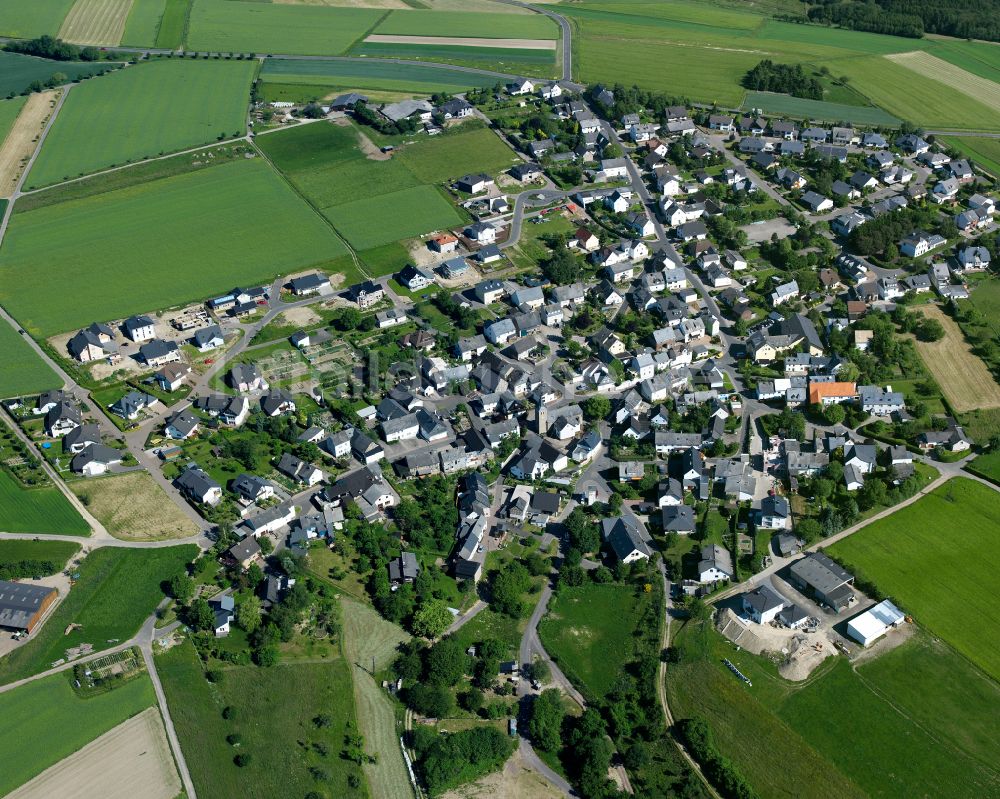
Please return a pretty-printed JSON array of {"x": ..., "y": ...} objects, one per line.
[
  {"x": 268, "y": 705},
  {"x": 198, "y": 233},
  {"x": 986, "y": 465},
  {"x": 117, "y": 590},
  {"x": 37, "y": 510},
  {"x": 23, "y": 372},
  {"x": 173, "y": 24},
  {"x": 133, "y": 507},
  {"x": 220, "y": 25},
  {"x": 371, "y": 76},
  {"x": 123, "y": 116},
  {"x": 480, "y": 25},
  {"x": 928, "y": 557},
  {"x": 50, "y": 711},
  {"x": 373, "y": 221},
  {"x": 143, "y": 23},
  {"x": 18, "y": 71},
  {"x": 25, "y": 20},
  {"x": 786, "y": 105},
  {"x": 13, "y": 551},
  {"x": 588, "y": 631}
]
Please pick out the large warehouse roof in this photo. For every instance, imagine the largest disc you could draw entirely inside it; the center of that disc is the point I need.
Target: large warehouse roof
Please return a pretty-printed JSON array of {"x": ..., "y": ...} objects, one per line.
[{"x": 19, "y": 602}]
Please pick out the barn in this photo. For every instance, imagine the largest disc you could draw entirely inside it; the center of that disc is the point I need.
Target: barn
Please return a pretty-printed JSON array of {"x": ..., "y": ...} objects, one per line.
[
  {"x": 871, "y": 625},
  {"x": 22, "y": 606}
]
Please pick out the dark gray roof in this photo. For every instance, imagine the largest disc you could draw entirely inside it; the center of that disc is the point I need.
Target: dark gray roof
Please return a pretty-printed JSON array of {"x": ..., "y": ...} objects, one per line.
[
  {"x": 763, "y": 599},
  {"x": 822, "y": 573},
  {"x": 19, "y": 602}
]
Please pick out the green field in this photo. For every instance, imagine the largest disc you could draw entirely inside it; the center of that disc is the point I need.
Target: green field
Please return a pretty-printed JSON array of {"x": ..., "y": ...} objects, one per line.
[
  {"x": 123, "y": 117},
  {"x": 512, "y": 60},
  {"x": 173, "y": 24},
  {"x": 403, "y": 214},
  {"x": 25, "y": 20},
  {"x": 483, "y": 25},
  {"x": 371, "y": 76},
  {"x": 275, "y": 28},
  {"x": 987, "y": 465},
  {"x": 37, "y": 510},
  {"x": 588, "y": 631},
  {"x": 269, "y": 705},
  {"x": 199, "y": 233},
  {"x": 929, "y": 558},
  {"x": 49, "y": 711},
  {"x": 445, "y": 158},
  {"x": 23, "y": 371},
  {"x": 143, "y": 23},
  {"x": 9, "y": 109},
  {"x": 984, "y": 152},
  {"x": 117, "y": 591},
  {"x": 18, "y": 71},
  {"x": 14, "y": 551},
  {"x": 787, "y": 105}
]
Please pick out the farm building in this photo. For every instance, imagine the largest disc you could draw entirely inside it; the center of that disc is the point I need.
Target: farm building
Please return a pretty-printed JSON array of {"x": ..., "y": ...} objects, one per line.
[
  {"x": 830, "y": 582},
  {"x": 22, "y": 606},
  {"x": 875, "y": 622}
]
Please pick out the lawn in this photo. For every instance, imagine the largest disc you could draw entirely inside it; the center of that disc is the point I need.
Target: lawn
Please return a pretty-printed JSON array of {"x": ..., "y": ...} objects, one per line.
[
  {"x": 124, "y": 117},
  {"x": 133, "y": 507},
  {"x": 928, "y": 558},
  {"x": 787, "y": 105},
  {"x": 25, "y": 20},
  {"x": 372, "y": 76},
  {"x": 23, "y": 371},
  {"x": 481, "y": 25},
  {"x": 268, "y": 705},
  {"x": 403, "y": 214},
  {"x": 60, "y": 552},
  {"x": 143, "y": 23},
  {"x": 18, "y": 71},
  {"x": 985, "y": 153},
  {"x": 588, "y": 631},
  {"x": 199, "y": 233},
  {"x": 37, "y": 510},
  {"x": 277, "y": 28},
  {"x": 116, "y": 592},
  {"x": 50, "y": 711}
]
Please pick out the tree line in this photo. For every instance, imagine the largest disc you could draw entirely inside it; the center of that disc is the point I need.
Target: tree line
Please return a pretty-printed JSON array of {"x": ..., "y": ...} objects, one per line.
[
  {"x": 54, "y": 49},
  {"x": 966, "y": 19},
  {"x": 791, "y": 79}
]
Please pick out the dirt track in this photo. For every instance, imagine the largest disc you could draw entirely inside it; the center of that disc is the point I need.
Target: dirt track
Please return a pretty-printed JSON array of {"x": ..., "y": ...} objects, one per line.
[
  {"x": 519, "y": 44},
  {"x": 131, "y": 761},
  {"x": 20, "y": 142}
]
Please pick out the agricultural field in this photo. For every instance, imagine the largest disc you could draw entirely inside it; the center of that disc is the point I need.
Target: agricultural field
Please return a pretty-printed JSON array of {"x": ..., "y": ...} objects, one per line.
[
  {"x": 268, "y": 705},
  {"x": 472, "y": 25},
  {"x": 238, "y": 215},
  {"x": 586, "y": 632},
  {"x": 24, "y": 372},
  {"x": 404, "y": 214},
  {"x": 944, "y": 534},
  {"x": 95, "y": 22},
  {"x": 963, "y": 377},
  {"x": 37, "y": 510},
  {"x": 143, "y": 23},
  {"x": 799, "y": 108},
  {"x": 14, "y": 551},
  {"x": 132, "y": 759},
  {"x": 20, "y": 141},
  {"x": 116, "y": 592},
  {"x": 277, "y": 28},
  {"x": 368, "y": 636},
  {"x": 21, "y": 20},
  {"x": 17, "y": 71},
  {"x": 173, "y": 24},
  {"x": 50, "y": 710},
  {"x": 985, "y": 153},
  {"x": 986, "y": 465},
  {"x": 133, "y": 507},
  {"x": 444, "y": 158},
  {"x": 9, "y": 109},
  {"x": 122, "y": 117}
]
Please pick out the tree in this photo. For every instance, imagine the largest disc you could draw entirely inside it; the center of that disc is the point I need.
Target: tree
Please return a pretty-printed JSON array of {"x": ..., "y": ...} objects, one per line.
[
  {"x": 433, "y": 701},
  {"x": 834, "y": 413},
  {"x": 266, "y": 544},
  {"x": 181, "y": 588},
  {"x": 347, "y": 319},
  {"x": 930, "y": 330},
  {"x": 248, "y": 613},
  {"x": 445, "y": 662},
  {"x": 432, "y": 618},
  {"x": 582, "y": 532},
  {"x": 596, "y": 408},
  {"x": 508, "y": 586},
  {"x": 545, "y": 725},
  {"x": 561, "y": 266},
  {"x": 200, "y": 615}
]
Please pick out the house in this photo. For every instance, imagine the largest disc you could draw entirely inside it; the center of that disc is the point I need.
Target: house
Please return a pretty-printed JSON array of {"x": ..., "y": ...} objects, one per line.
[
  {"x": 300, "y": 471},
  {"x": 763, "y": 604},
  {"x": 396, "y": 112},
  {"x": 614, "y": 168},
  {"x": 829, "y": 582},
  {"x": 415, "y": 278},
  {"x": 624, "y": 538},
  {"x": 692, "y": 231},
  {"x": 862, "y": 181},
  {"x": 181, "y": 425},
  {"x": 92, "y": 343},
  {"x": 816, "y": 203},
  {"x": 139, "y": 328},
  {"x": 537, "y": 459},
  {"x": 443, "y": 243},
  {"x": 500, "y": 332},
  {"x": 945, "y": 190},
  {"x": 308, "y": 285},
  {"x": 828, "y": 393},
  {"x": 489, "y": 291},
  {"x": 525, "y": 172},
  {"x": 474, "y": 184},
  {"x": 403, "y": 569},
  {"x": 171, "y": 377},
  {"x": 775, "y": 513},
  {"x": 879, "y": 402},
  {"x": 366, "y": 294},
  {"x": 244, "y": 554},
  {"x": 973, "y": 258},
  {"x": 247, "y": 378},
  {"x": 586, "y": 447},
  {"x": 521, "y": 86},
  {"x": 132, "y": 404},
  {"x": 456, "y": 108},
  {"x": 95, "y": 460},
  {"x": 156, "y": 353},
  {"x": 641, "y": 224},
  {"x": 961, "y": 170},
  {"x": 228, "y": 410},
  {"x": 208, "y": 338},
  {"x": 630, "y": 471},
  {"x": 539, "y": 148},
  {"x": 678, "y": 519},
  {"x": 721, "y": 122},
  {"x": 875, "y": 622},
  {"x": 715, "y": 564},
  {"x": 784, "y": 293},
  {"x": 269, "y": 520},
  {"x": 366, "y": 488},
  {"x": 252, "y": 488},
  {"x": 277, "y": 402},
  {"x": 402, "y": 428},
  {"x": 195, "y": 484}
]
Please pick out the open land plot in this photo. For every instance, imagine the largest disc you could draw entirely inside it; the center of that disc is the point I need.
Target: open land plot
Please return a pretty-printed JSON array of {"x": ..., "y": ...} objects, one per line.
[
  {"x": 173, "y": 24},
  {"x": 274, "y": 28},
  {"x": 134, "y": 507},
  {"x": 444, "y": 158},
  {"x": 956, "y": 78},
  {"x": 199, "y": 233},
  {"x": 963, "y": 376},
  {"x": 130, "y": 760},
  {"x": 18, "y": 71},
  {"x": 537, "y": 63},
  {"x": 341, "y": 181},
  {"x": 117, "y": 591},
  {"x": 310, "y": 147},
  {"x": 22, "y": 137},
  {"x": 21, "y": 20},
  {"x": 463, "y": 41},
  {"x": 372, "y": 76},
  {"x": 587, "y": 631},
  {"x": 123, "y": 116},
  {"x": 275, "y": 704},
  {"x": 50, "y": 711},
  {"x": 516, "y": 778},
  {"x": 95, "y": 22},
  {"x": 368, "y": 637},
  {"x": 56, "y": 552},
  {"x": 37, "y": 510},
  {"x": 23, "y": 370},
  {"x": 422, "y": 22},
  {"x": 979, "y": 58},
  {"x": 986, "y": 465},
  {"x": 9, "y": 109},
  {"x": 403, "y": 214},
  {"x": 943, "y": 534},
  {"x": 143, "y": 23},
  {"x": 786, "y": 105},
  {"x": 985, "y": 153}
]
